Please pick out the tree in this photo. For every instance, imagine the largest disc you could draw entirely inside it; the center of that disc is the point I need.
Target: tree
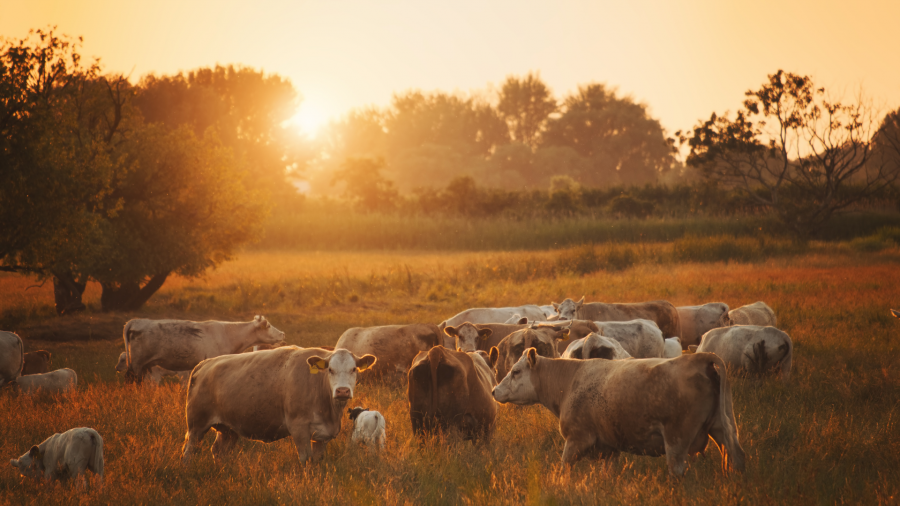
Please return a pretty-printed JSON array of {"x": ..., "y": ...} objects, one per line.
[
  {"x": 793, "y": 150},
  {"x": 365, "y": 186},
  {"x": 620, "y": 140},
  {"x": 526, "y": 104}
]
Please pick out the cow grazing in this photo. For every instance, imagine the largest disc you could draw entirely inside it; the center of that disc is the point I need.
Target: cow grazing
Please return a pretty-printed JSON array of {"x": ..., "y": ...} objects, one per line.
[
  {"x": 179, "y": 345},
  {"x": 395, "y": 345},
  {"x": 493, "y": 315},
  {"x": 698, "y": 320},
  {"x": 596, "y": 346},
  {"x": 672, "y": 348},
  {"x": 751, "y": 349},
  {"x": 640, "y": 338},
  {"x": 451, "y": 390},
  {"x": 484, "y": 336},
  {"x": 156, "y": 373},
  {"x": 54, "y": 382},
  {"x": 662, "y": 312},
  {"x": 64, "y": 456},
  {"x": 270, "y": 395},
  {"x": 36, "y": 362},
  {"x": 757, "y": 313},
  {"x": 642, "y": 406},
  {"x": 541, "y": 337},
  {"x": 12, "y": 355},
  {"x": 368, "y": 428}
]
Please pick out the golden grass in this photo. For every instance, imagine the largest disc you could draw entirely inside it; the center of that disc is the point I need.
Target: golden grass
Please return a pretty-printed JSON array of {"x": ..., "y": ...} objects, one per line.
[{"x": 829, "y": 436}]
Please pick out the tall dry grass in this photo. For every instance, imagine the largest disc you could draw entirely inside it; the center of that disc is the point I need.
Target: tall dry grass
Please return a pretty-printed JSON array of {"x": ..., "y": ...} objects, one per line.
[{"x": 829, "y": 436}]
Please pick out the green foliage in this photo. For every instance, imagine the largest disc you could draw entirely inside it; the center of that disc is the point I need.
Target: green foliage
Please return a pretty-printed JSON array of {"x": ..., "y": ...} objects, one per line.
[
  {"x": 364, "y": 186},
  {"x": 526, "y": 104},
  {"x": 630, "y": 207}
]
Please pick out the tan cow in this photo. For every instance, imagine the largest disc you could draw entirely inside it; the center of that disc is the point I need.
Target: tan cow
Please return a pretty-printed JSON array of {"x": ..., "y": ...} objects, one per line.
[
  {"x": 451, "y": 389},
  {"x": 698, "y": 320},
  {"x": 757, "y": 313},
  {"x": 662, "y": 312},
  {"x": 36, "y": 362},
  {"x": 179, "y": 345},
  {"x": 541, "y": 337},
  {"x": 54, "y": 382},
  {"x": 12, "y": 354},
  {"x": 596, "y": 346},
  {"x": 493, "y": 315},
  {"x": 270, "y": 395},
  {"x": 644, "y": 406},
  {"x": 751, "y": 349},
  {"x": 395, "y": 345},
  {"x": 471, "y": 337},
  {"x": 64, "y": 456}
]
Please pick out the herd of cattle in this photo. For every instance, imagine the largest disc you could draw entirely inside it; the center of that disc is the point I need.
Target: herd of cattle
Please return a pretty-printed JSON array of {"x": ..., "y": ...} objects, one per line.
[{"x": 646, "y": 378}]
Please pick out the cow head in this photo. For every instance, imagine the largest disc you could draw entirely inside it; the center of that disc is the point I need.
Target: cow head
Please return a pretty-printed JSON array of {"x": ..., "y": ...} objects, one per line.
[
  {"x": 467, "y": 336},
  {"x": 567, "y": 308},
  {"x": 581, "y": 328},
  {"x": 542, "y": 337},
  {"x": 44, "y": 354},
  {"x": 597, "y": 346},
  {"x": 517, "y": 386},
  {"x": 355, "y": 412},
  {"x": 122, "y": 364},
  {"x": 516, "y": 319},
  {"x": 30, "y": 464},
  {"x": 340, "y": 369},
  {"x": 265, "y": 332}
]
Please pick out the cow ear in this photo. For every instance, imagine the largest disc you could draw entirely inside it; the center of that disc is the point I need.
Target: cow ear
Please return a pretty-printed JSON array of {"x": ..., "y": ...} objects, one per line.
[
  {"x": 580, "y": 302},
  {"x": 593, "y": 326},
  {"x": 563, "y": 335},
  {"x": 316, "y": 364},
  {"x": 522, "y": 321},
  {"x": 531, "y": 355},
  {"x": 692, "y": 348},
  {"x": 494, "y": 356},
  {"x": 555, "y": 306},
  {"x": 35, "y": 453},
  {"x": 256, "y": 318},
  {"x": 365, "y": 362},
  {"x": 485, "y": 333},
  {"x": 451, "y": 331}
]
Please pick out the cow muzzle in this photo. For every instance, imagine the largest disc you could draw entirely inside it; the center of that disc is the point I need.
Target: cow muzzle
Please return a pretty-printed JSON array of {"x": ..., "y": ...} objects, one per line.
[{"x": 343, "y": 393}]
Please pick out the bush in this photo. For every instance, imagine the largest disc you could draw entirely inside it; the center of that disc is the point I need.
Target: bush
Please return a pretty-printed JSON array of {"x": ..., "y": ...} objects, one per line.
[{"x": 628, "y": 206}]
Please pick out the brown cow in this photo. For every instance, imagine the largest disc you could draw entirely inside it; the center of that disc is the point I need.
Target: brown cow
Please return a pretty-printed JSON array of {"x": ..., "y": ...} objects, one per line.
[
  {"x": 648, "y": 406},
  {"x": 541, "y": 337},
  {"x": 471, "y": 337},
  {"x": 660, "y": 311},
  {"x": 758, "y": 313},
  {"x": 395, "y": 345},
  {"x": 36, "y": 362},
  {"x": 270, "y": 395},
  {"x": 451, "y": 389}
]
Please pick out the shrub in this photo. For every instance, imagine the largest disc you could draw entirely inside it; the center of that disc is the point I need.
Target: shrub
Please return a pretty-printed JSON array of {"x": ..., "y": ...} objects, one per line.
[{"x": 628, "y": 206}]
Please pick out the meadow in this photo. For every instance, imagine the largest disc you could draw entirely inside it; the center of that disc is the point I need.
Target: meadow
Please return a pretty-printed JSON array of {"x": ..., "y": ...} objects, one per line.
[{"x": 829, "y": 436}]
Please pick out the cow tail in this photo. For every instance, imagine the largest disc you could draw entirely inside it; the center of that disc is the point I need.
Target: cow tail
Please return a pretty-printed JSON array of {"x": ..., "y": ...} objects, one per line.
[
  {"x": 126, "y": 337},
  {"x": 21, "y": 354},
  {"x": 784, "y": 362},
  {"x": 97, "y": 457},
  {"x": 434, "y": 359},
  {"x": 723, "y": 417}
]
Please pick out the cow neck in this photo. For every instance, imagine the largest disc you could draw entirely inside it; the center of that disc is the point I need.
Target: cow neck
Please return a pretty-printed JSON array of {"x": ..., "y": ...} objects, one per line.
[
  {"x": 245, "y": 331},
  {"x": 555, "y": 378}
]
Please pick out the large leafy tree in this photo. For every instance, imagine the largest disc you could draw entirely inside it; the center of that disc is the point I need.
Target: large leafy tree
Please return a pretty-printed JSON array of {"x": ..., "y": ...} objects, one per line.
[
  {"x": 526, "y": 104},
  {"x": 793, "y": 150},
  {"x": 621, "y": 142},
  {"x": 94, "y": 192}
]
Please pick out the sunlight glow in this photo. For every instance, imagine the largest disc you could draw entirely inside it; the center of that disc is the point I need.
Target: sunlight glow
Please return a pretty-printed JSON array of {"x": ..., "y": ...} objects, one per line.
[{"x": 310, "y": 118}]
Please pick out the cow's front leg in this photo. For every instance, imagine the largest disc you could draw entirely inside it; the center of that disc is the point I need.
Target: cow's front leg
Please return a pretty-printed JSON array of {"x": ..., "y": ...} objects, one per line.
[
  {"x": 576, "y": 447},
  {"x": 302, "y": 438},
  {"x": 318, "y": 450}
]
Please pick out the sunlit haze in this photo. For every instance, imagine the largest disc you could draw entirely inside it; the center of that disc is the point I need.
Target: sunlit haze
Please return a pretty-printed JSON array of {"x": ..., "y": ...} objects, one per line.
[{"x": 683, "y": 59}]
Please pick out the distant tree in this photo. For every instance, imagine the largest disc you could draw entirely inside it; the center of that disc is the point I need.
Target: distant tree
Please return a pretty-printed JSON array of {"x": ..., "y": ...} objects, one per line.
[
  {"x": 526, "y": 104},
  {"x": 564, "y": 196},
  {"x": 794, "y": 151},
  {"x": 623, "y": 144},
  {"x": 364, "y": 185},
  {"x": 92, "y": 192}
]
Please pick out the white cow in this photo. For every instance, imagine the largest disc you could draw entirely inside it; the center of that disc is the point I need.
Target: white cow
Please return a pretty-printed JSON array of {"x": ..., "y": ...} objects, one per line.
[
  {"x": 757, "y": 313},
  {"x": 179, "y": 345},
  {"x": 751, "y": 349},
  {"x": 55, "y": 382},
  {"x": 368, "y": 428},
  {"x": 63, "y": 456},
  {"x": 698, "y": 320},
  {"x": 156, "y": 373},
  {"x": 640, "y": 338},
  {"x": 596, "y": 346},
  {"x": 673, "y": 348},
  {"x": 12, "y": 357},
  {"x": 493, "y": 315}
]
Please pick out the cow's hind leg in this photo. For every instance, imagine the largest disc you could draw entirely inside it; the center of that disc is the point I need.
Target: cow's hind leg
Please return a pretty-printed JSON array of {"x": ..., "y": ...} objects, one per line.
[
  {"x": 224, "y": 443},
  {"x": 192, "y": 438}
]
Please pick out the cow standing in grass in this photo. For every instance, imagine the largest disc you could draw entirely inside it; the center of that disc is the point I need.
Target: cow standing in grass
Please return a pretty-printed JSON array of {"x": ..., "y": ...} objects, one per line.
[
  {"x": 12, "y": 355},
  {"x": 661, "y": 312}
]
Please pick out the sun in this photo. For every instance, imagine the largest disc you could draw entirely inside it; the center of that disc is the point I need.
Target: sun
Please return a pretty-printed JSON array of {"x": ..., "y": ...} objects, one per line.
[{"x": 310, "y": 118}]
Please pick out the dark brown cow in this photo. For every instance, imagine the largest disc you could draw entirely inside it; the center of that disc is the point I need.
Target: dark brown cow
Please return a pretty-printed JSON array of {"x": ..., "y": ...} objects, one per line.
[
  {"x": 541, "y": 337},
  {"x": 395, "y": 345},
  {"x": 660, "y": 311},
  {"x": 36, "y": 362},
  {"x": 452, "y": 389}
]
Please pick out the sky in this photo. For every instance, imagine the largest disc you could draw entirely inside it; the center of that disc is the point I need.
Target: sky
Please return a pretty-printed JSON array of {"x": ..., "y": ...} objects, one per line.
[{"x": 683, "y": 59}]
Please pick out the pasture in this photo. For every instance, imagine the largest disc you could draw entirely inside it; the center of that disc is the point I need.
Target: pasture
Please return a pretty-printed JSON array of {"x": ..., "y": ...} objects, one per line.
[{"x": 829, "y": 436}]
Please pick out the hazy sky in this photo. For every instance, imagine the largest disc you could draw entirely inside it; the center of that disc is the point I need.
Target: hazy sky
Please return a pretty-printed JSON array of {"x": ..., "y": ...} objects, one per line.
[{"x": 684, "y": 59}]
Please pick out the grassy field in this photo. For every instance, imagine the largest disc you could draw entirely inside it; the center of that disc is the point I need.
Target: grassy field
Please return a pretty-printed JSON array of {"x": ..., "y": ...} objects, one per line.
[{"x": 830, "y": 436}]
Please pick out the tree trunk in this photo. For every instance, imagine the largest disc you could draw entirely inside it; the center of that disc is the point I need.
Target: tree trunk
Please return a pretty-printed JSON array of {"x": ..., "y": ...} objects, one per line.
[
  {"x": 67, "y": 292},
  {"x": 129, "y": 296}
]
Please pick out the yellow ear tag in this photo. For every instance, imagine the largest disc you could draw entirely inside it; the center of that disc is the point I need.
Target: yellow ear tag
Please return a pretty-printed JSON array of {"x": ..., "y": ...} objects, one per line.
[{"x": 314, "y": 369}]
